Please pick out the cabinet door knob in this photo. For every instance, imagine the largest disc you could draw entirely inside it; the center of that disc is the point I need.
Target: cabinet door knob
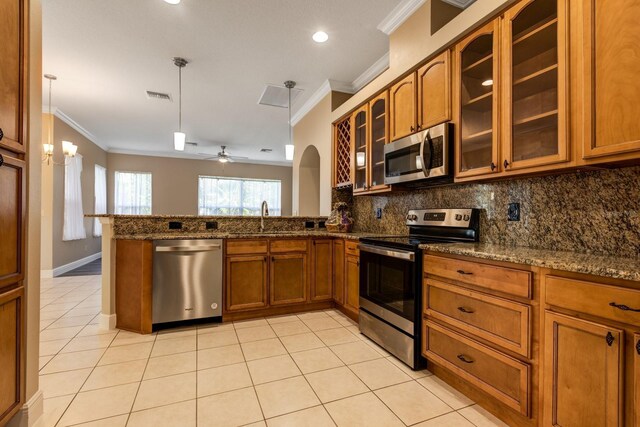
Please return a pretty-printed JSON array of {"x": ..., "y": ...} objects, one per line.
[
  {"x": 464, "y": 358},
  {"x": 493, "y": 166},
  {"x": 609, "y": 338},
  {"x": 1, "y": 134},
  {"x": 506, "y": 163},
  {"x": 419, "y": 127},
  {"x": 412, "y": 129}
]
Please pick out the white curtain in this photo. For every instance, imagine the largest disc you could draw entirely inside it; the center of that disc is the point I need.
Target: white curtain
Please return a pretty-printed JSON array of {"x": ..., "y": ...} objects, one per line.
[
  {"x": 132, "y": 193},
  {"x": 73, "y": 228},
  {"x": 236, "y": 196},
  {"x": 100, "y": 198}
]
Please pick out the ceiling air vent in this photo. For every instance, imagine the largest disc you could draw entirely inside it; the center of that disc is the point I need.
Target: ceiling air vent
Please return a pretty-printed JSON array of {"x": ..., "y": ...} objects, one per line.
[
  {"x": 266, "y": 150},
  {"x": 158, "y": 95},
  {"x": 278, "y": 96}
]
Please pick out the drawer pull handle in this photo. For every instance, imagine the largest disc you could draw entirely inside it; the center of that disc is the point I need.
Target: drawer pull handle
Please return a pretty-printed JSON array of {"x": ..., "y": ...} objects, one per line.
[
  {"x": 466, "y": 310},
  {"x": 463, "y": 272},
  {"x": 624, "y": 307},
  {"x": 609, "y": 338},
  {"x": 464, "y": 358}
]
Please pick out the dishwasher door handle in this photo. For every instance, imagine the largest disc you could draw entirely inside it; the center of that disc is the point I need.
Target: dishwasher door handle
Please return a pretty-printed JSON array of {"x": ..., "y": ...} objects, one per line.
[{"x": 188, "y": 248}]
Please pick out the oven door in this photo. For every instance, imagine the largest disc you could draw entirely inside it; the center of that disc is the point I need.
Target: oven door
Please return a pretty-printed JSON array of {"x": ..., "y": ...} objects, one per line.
[{"x": 388, "y": 285}]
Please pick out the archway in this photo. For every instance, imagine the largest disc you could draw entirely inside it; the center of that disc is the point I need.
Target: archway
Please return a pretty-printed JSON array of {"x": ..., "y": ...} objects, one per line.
[{"x": 309, "y": 182}]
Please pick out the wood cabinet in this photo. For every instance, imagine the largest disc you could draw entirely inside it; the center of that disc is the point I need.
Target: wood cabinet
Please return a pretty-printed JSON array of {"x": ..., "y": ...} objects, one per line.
[
  {"x": 338, "y": 271},
  {"x": 434, "y": 91},
  {"x": 378, "y": 138},
  {"x": 12, "y": 220},
  {"x": 535, "y": 73},
  {"x": 288, "y": 278},
  {"x": 609, "y": 68},
  {"x": 342, "y": 153},
  {"x": 477, "y": 100},
  {"x": 352, "y": 281},
  {"x": 359, "y": 143},
  {"x": 246, "y": 282},
  {"x": 11, "y": 352},
  {"x": 402, "y": 108},
  {"x": 134, "y": 285},
  {"x": 583, "y": 373},
  {"x": 321, "y": 288}
]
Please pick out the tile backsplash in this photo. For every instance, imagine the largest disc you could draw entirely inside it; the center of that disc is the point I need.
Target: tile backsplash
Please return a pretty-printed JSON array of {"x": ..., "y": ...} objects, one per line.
[{"x": 584, "y": 211}]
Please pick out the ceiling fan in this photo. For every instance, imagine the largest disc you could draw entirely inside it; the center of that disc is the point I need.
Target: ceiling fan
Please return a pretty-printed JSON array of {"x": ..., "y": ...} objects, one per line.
[{"x": 223, "y": 156}]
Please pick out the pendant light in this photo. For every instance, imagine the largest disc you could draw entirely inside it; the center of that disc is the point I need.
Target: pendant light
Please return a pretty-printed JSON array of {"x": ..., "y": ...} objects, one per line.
[
  {"x": 179, "y": 138},
  {"x": 68, "y": 148},
  {"x": 289, "y": 148}
]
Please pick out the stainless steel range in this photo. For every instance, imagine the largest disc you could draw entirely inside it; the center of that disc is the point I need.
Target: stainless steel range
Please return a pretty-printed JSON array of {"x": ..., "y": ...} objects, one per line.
[{"x": 391, "y": 278}]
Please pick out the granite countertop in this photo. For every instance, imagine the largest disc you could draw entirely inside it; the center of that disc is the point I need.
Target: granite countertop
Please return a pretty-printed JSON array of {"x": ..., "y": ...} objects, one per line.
[
  {"x": 598, "y": 265},
  {"x": 214, "y": 217},
  {"x": 226, "y": 235}
]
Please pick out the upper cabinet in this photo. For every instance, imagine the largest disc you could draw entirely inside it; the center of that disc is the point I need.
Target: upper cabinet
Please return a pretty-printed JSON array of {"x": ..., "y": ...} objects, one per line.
[
  {"x": 402, "y": 99},
  {"x": 477, "y": 101},
  {"x": 434, "y": 91},
  {"x": 379, "y": 109},
  {"x": 359, "y": 141},
  {"x": 342, "y": 153},
  {"x": 534, "y": 74},
  {"x": 611, "y": 65}
]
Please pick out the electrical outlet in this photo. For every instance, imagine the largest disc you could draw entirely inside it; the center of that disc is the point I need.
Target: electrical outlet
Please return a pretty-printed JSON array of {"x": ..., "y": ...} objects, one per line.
[
  {"x": 378, "y": 213},
  {"x": 513, "y": 212}
]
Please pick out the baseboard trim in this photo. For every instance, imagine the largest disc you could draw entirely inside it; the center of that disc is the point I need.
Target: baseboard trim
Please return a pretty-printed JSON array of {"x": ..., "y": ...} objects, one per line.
[
  {"x": 107, "y": 321},
  {"x": 30, "y": 412},
  {"x": 75, "y": 264}
]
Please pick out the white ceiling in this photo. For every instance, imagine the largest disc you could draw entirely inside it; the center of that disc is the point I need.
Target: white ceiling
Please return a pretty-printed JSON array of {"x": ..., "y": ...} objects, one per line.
[{"x": 107, "y": 53}]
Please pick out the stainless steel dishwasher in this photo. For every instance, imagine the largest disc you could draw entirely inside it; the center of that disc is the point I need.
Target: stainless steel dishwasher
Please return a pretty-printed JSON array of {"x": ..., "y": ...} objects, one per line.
[{"x": 187, "y": 280}]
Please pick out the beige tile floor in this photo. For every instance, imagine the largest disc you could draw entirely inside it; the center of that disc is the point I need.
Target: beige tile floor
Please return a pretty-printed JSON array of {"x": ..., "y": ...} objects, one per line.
[{"x": 311, "y": 369}]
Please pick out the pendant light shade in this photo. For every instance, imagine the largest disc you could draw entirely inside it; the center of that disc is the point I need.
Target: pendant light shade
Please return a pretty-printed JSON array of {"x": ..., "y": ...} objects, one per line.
[
  {"x": 288, "y": 151},
  {"x": 179, "y": 137}
]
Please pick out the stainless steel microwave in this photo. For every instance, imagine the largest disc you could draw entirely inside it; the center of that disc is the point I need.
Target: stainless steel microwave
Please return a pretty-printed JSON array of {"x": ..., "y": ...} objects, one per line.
[{"x": 421, "y": 156}]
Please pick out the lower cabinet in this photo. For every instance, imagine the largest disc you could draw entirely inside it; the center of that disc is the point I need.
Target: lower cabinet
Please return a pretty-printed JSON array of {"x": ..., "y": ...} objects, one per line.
[
  {"x": 246, "y": 282},
  {"x": 352, "y": 279},
  {"x": 321, "y": 270},
  {"x": 11, "y": 325},
  {"x": 338, "y": 271},
  {"x": 583, "y": 373},
  {"x": 288, "y": 279},
  {"x": 134, "y": 285}
]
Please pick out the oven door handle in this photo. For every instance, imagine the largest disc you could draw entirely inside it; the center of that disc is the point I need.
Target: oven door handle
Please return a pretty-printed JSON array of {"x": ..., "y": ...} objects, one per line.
[
  {"x": 426, "y": 161},
  {"x": 406, "y": 255}
]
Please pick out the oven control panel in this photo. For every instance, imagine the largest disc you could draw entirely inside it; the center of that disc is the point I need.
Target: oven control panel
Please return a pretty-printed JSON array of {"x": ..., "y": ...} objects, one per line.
[{"x": 440, "y": 217}]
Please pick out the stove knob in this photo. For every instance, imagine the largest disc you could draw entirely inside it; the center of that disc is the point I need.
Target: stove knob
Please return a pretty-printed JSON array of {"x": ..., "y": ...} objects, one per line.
[
  {"x": 458, "y": 217},
  {"x": 466, "y": 217}
]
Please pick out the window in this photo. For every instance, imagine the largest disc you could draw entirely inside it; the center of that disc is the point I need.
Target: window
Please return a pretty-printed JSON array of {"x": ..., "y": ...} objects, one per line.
[
  {"x": 237, "y": 196},
  {"x": 132, "y": 193},
  {"x": 100, "y": 194},
  {"x": 73, "y": 227}
]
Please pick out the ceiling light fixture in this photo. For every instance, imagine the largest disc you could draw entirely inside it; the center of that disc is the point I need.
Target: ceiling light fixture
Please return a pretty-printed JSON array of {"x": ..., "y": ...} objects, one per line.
[
  {"x": 289, "y": 148},
  {"x": 320, "y": 37},
  {"x": 172, "y": 1},
  {"x": 179, "y": 138},
  {"x": 68, "y": 148},
  {"x": 488, "y": 82}
]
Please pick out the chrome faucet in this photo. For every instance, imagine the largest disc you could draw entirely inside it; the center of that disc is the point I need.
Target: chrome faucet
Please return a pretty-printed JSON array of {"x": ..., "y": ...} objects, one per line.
[{"x": 264, "y": 211}]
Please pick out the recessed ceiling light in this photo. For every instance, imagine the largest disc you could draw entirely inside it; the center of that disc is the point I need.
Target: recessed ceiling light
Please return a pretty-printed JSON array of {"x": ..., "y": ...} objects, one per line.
[
  {"x": 172, "y": 1},
  {"x": 320, "y": 37}
]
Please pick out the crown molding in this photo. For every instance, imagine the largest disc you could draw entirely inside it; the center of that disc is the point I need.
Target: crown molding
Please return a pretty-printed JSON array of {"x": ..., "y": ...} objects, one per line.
[
  {"x": 371, "y": 73},
  {"x": 398, "y": 15},
  {"x": 187, "y": 156},
  {"x": 74, "y": 125},
  {"x": 327, "y": 87}
]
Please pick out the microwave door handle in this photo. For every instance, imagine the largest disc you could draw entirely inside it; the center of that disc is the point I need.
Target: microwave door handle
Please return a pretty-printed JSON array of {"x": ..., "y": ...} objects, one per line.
[{"x": 426, "y": 160}]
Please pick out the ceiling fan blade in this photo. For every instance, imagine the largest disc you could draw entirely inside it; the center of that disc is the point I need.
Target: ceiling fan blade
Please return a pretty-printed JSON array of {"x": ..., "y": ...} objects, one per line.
[{"x": 237, "y": 157}]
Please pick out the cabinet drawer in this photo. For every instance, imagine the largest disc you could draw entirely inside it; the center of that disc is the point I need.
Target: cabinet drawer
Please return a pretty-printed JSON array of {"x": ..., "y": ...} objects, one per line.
[
  {"x": 497, "y": 374},
  {"x": 500, "y": 321},
  {"x": 501, "y": 279},
  {"x": 352, "y": 248},
  {"x": 288, "y": 245},
  {"x": 606, "y": 301},
  {"x": 242, "y": 247}
]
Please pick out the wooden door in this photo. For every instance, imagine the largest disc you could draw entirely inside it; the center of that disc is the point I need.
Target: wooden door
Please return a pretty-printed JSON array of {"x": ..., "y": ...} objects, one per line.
[
  {"x": 359, "y": 144},
  {"x": 477, "y": 101},
  {"x": 378, "y": 138},
  {"x": 246, "y": 282},
  {"x": 352, "y": 278},
  {"x": 434, "y": 91},
  {"x": 288, "y": 279},
  {"x": 636, "y": 380},
  {"x": 12, "y": 74},
  {"x": 12, "y": 220},
  {"x": 402, "y": 108},
  {"x": 11, "y": 350},
  {"x": 582, "y": 373},
  {"x": 321, "y": 270},
  {"x": 611, "y": 85},
  {"x": 338, "y": 271},
  {"x": 535, "y": 81}
]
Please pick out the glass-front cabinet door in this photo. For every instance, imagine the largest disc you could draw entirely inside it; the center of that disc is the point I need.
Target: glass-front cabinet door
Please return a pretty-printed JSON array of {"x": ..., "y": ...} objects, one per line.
[
  {"x": 379, "y": 110},
  {"x": 477, "y": 84},
  {"x": 535, "y": 80},
  {"x": 359, "y": 143}
]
